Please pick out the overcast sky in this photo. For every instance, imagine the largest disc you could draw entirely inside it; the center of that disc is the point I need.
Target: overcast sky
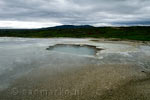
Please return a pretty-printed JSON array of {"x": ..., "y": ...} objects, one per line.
[{"x": 46, "y": 13}]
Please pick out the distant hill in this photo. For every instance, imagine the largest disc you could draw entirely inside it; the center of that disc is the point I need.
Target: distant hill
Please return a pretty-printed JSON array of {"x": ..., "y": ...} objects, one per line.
[{"x": 70, "y": 27}]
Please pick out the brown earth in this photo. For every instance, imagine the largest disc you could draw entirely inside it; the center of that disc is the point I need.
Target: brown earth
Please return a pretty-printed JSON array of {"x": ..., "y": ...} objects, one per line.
[{"x": 93, "y": 82}]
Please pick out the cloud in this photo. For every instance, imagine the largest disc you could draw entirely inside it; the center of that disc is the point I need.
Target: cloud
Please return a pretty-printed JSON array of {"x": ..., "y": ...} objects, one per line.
[
  {"x": 25, "y": 24},
  {"x": 93, "y": 12}
]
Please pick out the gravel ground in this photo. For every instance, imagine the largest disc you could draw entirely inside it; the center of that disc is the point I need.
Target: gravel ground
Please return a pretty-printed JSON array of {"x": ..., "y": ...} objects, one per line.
[{"x": 120, "y": 71}]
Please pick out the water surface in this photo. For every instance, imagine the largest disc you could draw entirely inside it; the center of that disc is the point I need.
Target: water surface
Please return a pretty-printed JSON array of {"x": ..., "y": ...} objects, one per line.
[{"x": 74, "y": 49}]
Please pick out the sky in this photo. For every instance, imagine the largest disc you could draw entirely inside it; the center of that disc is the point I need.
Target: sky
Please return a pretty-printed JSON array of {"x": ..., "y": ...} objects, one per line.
[{"x": 48, "y": 13}]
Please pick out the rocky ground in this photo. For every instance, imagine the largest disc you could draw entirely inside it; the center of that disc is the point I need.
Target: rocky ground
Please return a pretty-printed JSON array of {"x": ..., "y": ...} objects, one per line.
[{"x": 119, "y": 72}]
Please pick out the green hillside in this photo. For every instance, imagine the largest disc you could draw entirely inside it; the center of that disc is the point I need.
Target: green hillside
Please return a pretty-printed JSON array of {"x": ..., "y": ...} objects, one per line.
[{"x": 132, "y": 33}]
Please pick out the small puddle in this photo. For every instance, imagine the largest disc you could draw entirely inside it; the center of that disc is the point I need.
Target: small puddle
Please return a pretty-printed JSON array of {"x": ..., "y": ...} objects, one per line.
[{"x": 75, "y": 49}]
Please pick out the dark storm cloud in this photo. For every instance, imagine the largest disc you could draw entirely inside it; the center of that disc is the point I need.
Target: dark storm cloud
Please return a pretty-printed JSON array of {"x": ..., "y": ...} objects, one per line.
[{"x": 94, "y": 12}]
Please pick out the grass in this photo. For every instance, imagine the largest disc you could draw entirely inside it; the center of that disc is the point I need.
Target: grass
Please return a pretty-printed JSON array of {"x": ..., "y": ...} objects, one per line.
[{"x": 132, "y": 33}]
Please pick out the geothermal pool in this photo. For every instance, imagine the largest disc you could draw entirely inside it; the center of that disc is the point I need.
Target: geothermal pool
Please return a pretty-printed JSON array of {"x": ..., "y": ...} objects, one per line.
[
  {"x": 81, "y": 50},
  {"x": 48, "y": 58}
]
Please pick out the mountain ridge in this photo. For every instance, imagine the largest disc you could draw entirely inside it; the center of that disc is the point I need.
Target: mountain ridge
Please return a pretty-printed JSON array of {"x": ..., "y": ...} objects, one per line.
[{"x": 70, "y": 26}]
